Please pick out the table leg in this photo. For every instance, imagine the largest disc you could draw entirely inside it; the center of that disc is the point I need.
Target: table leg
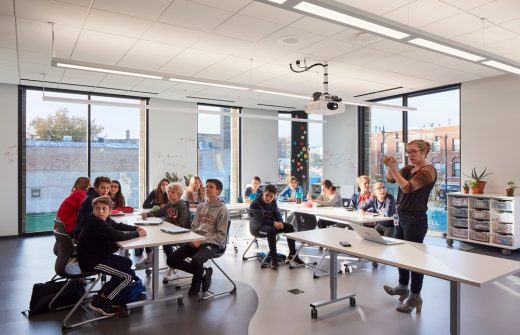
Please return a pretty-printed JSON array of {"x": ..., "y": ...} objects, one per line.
[
  {"x": 454, "y": 308},
  {"x": 155, "y": 274}
]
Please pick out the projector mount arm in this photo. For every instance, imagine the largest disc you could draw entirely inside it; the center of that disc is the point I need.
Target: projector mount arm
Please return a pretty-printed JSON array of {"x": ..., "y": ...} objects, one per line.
[{"x": 306, "y": 68}]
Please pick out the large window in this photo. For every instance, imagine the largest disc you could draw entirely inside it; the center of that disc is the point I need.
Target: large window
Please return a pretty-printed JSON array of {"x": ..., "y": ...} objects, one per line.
[
  {"x": 214, "y": 147},
  {"x": 56, "y": 151},
  {"x": 436, "y": 121},
  {"x": 284, "y": 147},
  {"x": 315, "y": 149}
]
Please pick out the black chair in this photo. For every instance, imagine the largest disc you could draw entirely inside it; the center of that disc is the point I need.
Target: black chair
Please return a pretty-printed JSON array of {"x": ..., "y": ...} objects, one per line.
[
  {"x": 59, "y": 227},
  {"x": 221, "y": 252},
  {"x": 256, "y": 219},
  {"x": 66, "y": 267},
  {"x": 303, "y": 222}
]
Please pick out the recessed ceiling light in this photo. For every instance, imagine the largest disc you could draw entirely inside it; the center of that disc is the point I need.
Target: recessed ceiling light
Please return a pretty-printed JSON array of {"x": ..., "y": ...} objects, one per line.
[
  {"x": 446, "y": 49},
  {"x": 502, "y": 66},
  {"x": 290, "y": 40},
  {"x": 349, "y": 20}
]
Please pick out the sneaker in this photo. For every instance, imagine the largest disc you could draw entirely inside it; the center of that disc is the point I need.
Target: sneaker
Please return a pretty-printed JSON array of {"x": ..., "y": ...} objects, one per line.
[
  {"x": 274, "y": 263},
  {"x": 144, "y": 264},
  {"x": 194, "y": 288},
  {"x": 171, "y": 275},
  {"x": 206, "y": 279},
  {"x": 103, "y": 306},
  {"x": 293, "y": 259}
]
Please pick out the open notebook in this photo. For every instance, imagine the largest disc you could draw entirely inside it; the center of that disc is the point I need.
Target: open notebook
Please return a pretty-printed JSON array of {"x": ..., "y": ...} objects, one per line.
[
  {"x": 175, "y": 230},
  {"x": 149, "y": 221}
]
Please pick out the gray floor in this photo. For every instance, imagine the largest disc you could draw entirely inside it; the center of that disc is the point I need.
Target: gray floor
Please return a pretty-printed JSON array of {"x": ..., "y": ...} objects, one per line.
[{"x": 486, "y": 310}]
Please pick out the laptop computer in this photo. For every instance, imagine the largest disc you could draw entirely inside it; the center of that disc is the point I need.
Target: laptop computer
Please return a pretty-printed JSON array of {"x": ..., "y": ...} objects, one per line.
[
  {"x": 175, "y": 230},
  {"x": 370, "y": 234},
  {"x": 153, "y": 221}
]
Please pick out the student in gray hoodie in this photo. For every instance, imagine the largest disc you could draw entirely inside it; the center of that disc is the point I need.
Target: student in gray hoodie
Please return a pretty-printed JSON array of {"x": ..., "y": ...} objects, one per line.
[{"x": 211, "y": 221}]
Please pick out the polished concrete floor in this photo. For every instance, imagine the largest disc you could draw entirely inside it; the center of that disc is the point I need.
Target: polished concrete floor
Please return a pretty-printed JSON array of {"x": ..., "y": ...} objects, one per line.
[{"x": 263, "y": 303}]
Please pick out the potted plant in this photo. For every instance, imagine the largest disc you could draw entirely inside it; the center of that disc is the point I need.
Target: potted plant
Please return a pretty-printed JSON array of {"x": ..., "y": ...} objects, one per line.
[
  {"x": 477, "y": 179},
  {"x": 473, "y": 185},
  {"x": 465, "y": 186},
  {"x": 510, "y": 190}
]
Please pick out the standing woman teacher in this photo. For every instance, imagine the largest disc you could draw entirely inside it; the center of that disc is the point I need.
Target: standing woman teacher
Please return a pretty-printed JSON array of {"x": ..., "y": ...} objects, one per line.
[{"x": 415, "y": 181}]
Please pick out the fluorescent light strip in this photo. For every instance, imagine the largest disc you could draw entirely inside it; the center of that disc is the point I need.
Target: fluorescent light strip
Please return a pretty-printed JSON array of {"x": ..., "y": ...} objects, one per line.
[
  {"x": 98, "y": 69},
  {"x": 208, "y": 84},
  {"x": 278, "y": 1},
  {"x": 386, "y": 106},
  {"x": 284, "y": 94},
  {"x": 502, "y": 66},
  {"x": 349, "y": 20},
  {"x": 446, "y": 49},
  {"x": 168, "y": 109}
]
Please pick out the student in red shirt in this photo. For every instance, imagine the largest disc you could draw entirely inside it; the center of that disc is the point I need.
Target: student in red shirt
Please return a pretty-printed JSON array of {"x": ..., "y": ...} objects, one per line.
[{"x": 68, "y": 211}]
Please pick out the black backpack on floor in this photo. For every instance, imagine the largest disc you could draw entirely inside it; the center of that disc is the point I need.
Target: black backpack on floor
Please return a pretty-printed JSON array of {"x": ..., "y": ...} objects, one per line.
[{"x": 43, "y": 293}]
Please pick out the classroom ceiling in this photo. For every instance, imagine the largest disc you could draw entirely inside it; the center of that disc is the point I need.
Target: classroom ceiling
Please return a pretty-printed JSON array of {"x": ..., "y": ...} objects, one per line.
[{"x": 245, "y": 42}]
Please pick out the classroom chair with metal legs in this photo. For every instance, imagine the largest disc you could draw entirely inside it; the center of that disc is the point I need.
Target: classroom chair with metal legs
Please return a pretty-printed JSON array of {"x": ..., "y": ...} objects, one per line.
[{"x": 256, "y": 219}]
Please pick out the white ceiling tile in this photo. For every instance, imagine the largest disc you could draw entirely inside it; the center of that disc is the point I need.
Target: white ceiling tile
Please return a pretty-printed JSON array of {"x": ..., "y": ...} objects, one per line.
[
  {"x": 10, "y": 67},
  {"x": 193, "y": 15},
  {"x": 80, "y": 77},
  {"x": 52, "y": 11},
  {"x": 357, "y": 37},
  {"x": 65, "y": 38},
  {"x": 191, "y": 62},
  {"x": 101, "y": 48},
  {"x": 7, "y": 24},
  {"x": 376, "y": 6},
  {"x": 483, "y": 40},
  {"x": 466, "y": 4},
  {"x": 229, "y": 5},
  {"x": 270, "y": 13},
  {"x": 6, "y": 7},
  {"x": 316, "y": 26},
  {"x": 34, "y": 36},
  {"x": 165, "y": 33},
  {"x": 362, "y": 56},
  {"x": 120, "y": 82},
  {"x": 144, "y": 9},
  {"x": 262, "y": 52},
  {"x": 256, "y": 29},
  {"x": 83, "y": 3},
  {"x": 260, "y": 74},
  {"x": 8, "y": 41},
  {"x": 227, "y": 68},
  {"x": 510, "y": 46},
  {"x": 274, "y": 41},
  {"x": 8, "y": 54},
  {"x": 220, "y": 44},
  {"x": 455, "y": 25},
  {"x": 10, "y": 79},
  {"x": 499, "y": 11},
  {"x": 151, "y": 85},
  {"x": 513, "y": 25},
  {"x": 421, "y": 13},
  {"x": 34, "y": 57},
  {"x": 391, "y": 46},
  {"x": 149, "y": 55},
  {"x": 35, "y": 71},
  {"x": 329, "y": 49},
  {"x": 116, "y": 24}
]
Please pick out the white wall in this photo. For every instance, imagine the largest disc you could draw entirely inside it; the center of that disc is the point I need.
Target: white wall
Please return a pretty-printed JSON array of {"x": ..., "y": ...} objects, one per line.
[
  {"x": 9, "y": 159},
  {"x": 172, "y": 140},
  {"x": 490, "y": 123},
  {"x": 259, "y": 147},
  {"x": 340, "y": 144}
]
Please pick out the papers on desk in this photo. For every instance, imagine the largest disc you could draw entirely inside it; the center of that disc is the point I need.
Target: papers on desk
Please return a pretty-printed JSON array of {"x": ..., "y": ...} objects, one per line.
[
  {"x": 149, "y": 221},
  {"x": 175, "y": 230}
]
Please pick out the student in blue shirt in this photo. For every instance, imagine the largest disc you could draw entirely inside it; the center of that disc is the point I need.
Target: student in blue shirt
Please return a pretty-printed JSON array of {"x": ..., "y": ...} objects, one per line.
[
  {"x": 253, "y": 191},
  {"x": 292, "y": 190}
]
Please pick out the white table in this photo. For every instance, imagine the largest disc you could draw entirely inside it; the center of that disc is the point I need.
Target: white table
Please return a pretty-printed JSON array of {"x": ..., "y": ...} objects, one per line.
[
  {"x": 153, "y": 239},
  {"x": 458, "y": 267}
]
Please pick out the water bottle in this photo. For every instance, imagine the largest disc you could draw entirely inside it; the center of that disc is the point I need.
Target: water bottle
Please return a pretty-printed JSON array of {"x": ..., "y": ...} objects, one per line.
[
  {"x": 298, "y": 197},
  {"x": 396, "y": 219}
]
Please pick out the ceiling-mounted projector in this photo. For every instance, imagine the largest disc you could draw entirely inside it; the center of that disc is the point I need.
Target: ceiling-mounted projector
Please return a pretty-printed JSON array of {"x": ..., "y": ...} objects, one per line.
[
  {"x": 322, "y": 103},
  {"x": 325, "y": 104}
]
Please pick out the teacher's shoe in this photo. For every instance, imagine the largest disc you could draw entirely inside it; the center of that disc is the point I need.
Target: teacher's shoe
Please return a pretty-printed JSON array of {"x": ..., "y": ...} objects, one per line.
[
  {"x": 400, "y": 291},
  {"x": 414, "y": 301}
]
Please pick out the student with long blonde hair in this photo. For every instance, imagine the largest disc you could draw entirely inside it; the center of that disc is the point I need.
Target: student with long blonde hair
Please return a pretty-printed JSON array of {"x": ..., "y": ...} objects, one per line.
[{"x": 194, "y": 193}]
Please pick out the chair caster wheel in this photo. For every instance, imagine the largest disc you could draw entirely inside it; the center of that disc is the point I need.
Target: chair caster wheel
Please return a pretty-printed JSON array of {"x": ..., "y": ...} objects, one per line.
[
  {"x": 148, "y": 272},
  {"x": 314, "y": 313},
  {"x": 315, "y": 277},
  {"x": 352, "y": 302},
  {"x": 236, "y": 249},
  {"x": 180, "y": 301},
  {"x": 449, "y": 242},
  {"x": 124, "y": 311},
  {"x": 375, "y": 265}
]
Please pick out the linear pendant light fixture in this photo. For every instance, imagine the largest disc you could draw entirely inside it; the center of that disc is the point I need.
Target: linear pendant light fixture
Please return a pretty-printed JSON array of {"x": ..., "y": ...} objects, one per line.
[
  {"x": 208, "y": 84},
  {"x": 105, "y": 70},
  {"x": 446, "y": 49},
  {"x": 502, "y": 66}
]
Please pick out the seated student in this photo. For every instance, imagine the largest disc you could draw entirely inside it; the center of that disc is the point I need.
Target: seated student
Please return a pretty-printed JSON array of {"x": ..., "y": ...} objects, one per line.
[
  {"x": 194, "y": 193},
  {"x": 273, "y": 224},
  {"x": 291, "y": 191},
  {"x": 158, "y": 196},
  {"x": 384, "y": 204},
  {"x": 329, "y": 198},
  {"x": 116, "y": 195},
  {"x": 69, "y": 208},
  {"x": 211, "y": 221},
  {"x": 101, "y": 187},
  {"x": 96, "y": 249},
  {"x": 253, "y": 191},
  {"x": 176, "y": 212},
  {"x": 358, "y": 198}
]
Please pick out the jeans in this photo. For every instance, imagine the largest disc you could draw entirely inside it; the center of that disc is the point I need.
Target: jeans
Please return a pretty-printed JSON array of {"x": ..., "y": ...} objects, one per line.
[
  {"x": 271, "y": 232},
  {"x": 412, "y": 227}
]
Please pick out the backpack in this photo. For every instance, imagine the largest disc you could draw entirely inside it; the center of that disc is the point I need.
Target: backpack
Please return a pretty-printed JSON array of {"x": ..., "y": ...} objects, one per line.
[
  {"x": 43, "y": 293},
  {"x": 131, "y": 292},
  {"x": 261, "y": 255}
]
